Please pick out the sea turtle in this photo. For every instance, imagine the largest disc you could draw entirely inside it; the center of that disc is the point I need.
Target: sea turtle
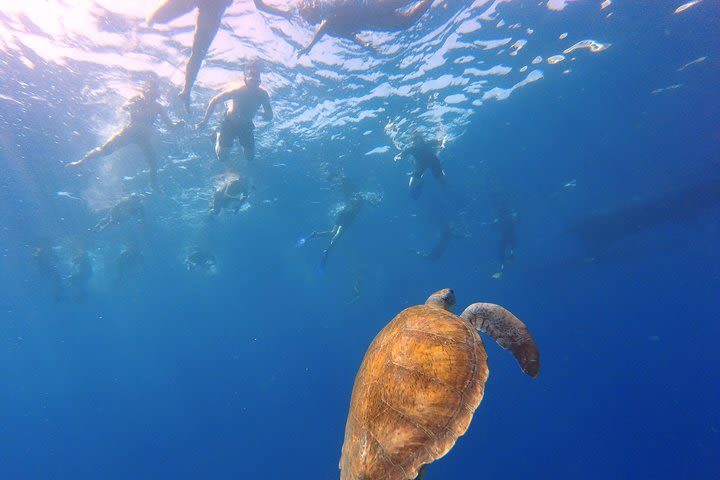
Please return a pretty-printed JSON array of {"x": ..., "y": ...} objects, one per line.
[
  {"x": 230, "y": 191},
  {"x": 199, "y": 259},
  {"x": 420, "y": 382}
]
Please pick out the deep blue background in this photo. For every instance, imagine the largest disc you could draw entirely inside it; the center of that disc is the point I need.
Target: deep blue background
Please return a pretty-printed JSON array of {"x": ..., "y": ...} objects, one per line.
[{"x": 249, "y": 373}]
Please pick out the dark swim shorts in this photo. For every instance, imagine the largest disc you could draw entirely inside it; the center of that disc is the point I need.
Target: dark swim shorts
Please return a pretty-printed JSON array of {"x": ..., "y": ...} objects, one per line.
[{"x": 232, "y": 128}]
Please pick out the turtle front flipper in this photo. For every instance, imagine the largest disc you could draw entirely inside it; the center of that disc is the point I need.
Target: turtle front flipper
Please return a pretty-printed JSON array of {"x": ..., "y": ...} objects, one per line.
[{"x": 508, "y": 331}]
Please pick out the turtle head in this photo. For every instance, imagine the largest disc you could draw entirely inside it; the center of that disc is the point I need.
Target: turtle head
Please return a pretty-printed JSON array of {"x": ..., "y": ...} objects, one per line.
[{"x": 444, "y": 299}]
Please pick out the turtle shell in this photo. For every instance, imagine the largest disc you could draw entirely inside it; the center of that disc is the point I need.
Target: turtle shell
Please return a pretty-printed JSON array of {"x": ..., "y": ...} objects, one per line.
[{"x": 416, "y": 391}]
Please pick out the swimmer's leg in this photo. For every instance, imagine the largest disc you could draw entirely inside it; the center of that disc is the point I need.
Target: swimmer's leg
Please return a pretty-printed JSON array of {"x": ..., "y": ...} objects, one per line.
[
  {"x": 223, "y": 145},
  {"x": 114, "y": 143},
  {"x": 170, "y": 10},
  {"x": 396, "y": 3},
  {"x": 314, "y": 234},
  {"x": 249, "y": 145},
  {"x": 438, "y": 173},
  {"x": 337, "y": 232},
  {"x": 208, "y": 23},
  {"x": 324, "y": 257},
  {"x": 402, "y": 20},
  {"x": 415, "y": 184},
  {"x": 249, "y": 153},
  {"x": 215, "y": 204},
  {"x": 264, "y": 7},
  {"x": 151, "y": 157},
  {"x": 318, "y": 234}
]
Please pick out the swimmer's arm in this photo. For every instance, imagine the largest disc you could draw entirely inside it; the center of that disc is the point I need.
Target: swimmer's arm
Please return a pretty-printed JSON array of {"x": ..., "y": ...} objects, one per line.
[
  {"x": 318, "y": 35},
  {"x": 267, "y": 108},
  {"x": 264, "y": 7},
  {"x": 219, "y": 98}
]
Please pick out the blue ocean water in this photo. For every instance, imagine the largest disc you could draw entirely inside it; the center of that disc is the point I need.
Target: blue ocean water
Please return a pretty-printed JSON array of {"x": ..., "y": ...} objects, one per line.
[{"x": 143, "y": 368}]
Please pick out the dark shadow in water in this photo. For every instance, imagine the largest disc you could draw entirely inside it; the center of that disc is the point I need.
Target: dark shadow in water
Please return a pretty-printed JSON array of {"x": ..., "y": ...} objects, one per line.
[
  {"x": 599, "y": 232},
  {"x": 606, "y": 236}
]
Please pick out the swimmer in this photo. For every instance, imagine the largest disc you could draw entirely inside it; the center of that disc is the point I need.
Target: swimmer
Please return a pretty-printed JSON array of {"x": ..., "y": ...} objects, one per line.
[
  {"x": 447, "y": 233},
  {"x": 210, "y": 13},
  {"x": 345, "y": 216},
  {"x": 238, "y": 121},
  {"x": 144, "y": 109},
  {"x": 425, "y": 157},
  {"x": 345, "y": 19},
  {"x": 343, "y": 219}
]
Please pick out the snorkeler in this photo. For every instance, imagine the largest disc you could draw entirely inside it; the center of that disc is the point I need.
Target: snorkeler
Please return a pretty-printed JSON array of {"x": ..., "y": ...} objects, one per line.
[
  {"x": 230, "y": 191},
  {"x": 506, "y": 221},
  {"x": 144, "y": 108},
  {"x": 446, "y": 234},
  {"x": 345, "y": 19},
  {"x": 343, "y": 219},
  {"x": 424, "y": 154},
  {"x": 210, "y": 13},
  {"x": 130, "y": 207},
  {"x": 354, "y": 201},
  {"x": 238, "y": 120}
]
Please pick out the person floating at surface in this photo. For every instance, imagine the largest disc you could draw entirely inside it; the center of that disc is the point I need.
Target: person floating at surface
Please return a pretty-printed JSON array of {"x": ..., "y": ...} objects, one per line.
[
  {"x": 424, "y": 154},
  {"x": 345, "y": 18},
  {"x": 238, "y": 120},
  {"x": 130, "y": 207},
  {"x": 210, "y": 13},
  {"x": 230, "y": 191},
  {"x": 144, "y": 109}
]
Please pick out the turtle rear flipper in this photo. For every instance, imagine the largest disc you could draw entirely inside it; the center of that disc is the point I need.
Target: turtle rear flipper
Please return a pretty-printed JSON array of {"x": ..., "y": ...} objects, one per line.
[{"x": 508, "y": 331}]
